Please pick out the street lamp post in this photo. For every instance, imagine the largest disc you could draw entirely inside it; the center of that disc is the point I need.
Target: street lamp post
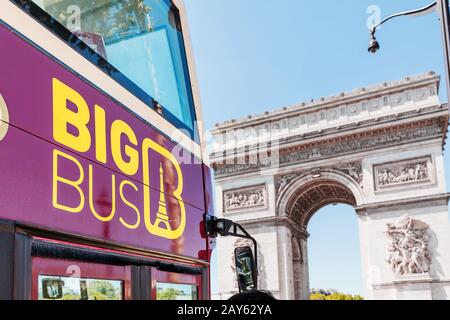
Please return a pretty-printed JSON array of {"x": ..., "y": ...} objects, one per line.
[
  {"x": 444, "y": 17},
  {"x": 441, "y": 7}
]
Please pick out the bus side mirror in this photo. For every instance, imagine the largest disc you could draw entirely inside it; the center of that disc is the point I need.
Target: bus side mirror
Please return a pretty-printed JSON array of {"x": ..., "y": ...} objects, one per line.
[
  {"x": 245, "y": 269},
  {"x": 52, "y": 289}
]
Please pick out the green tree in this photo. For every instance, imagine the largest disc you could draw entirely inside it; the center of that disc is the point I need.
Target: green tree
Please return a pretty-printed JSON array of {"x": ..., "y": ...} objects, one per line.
[
  {"x": 333, "y": 295},
  {"x": 168, "y": 294},
  {"x": 103, "y": 290}
]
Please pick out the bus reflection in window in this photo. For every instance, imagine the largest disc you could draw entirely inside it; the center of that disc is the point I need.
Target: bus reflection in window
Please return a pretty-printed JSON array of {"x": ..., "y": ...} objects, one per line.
[
  {"x": 69, "y": 288},
  {"x": 142, "y": 39}
]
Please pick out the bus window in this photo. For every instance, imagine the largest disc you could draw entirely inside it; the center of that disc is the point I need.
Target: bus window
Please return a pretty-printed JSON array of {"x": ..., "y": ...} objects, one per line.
[
  {"x": 141, "y": 39},
  {"x": 55, "y": 279},
  {"x": 175, "y": 286},
  {"x": 174, "y": 291},
  {"x": 73, "y": 288}
]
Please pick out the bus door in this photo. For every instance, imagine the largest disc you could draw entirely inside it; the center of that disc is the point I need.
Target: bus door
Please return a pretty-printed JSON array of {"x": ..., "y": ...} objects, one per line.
[
  {"x": 175, "y": 286},
  {"x": 56, "y": 279}
]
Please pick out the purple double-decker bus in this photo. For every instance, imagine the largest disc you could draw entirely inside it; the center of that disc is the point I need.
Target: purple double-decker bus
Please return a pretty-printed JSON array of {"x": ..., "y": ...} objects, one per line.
[{"x": 103, "y": 186}]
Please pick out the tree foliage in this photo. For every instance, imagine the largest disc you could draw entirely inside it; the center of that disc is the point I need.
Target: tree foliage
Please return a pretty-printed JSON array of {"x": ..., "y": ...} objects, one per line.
[
  {"x": 103, "y": 290},
  {"x": 169, "y": 294},
  {"x": 333, "y": 295}
]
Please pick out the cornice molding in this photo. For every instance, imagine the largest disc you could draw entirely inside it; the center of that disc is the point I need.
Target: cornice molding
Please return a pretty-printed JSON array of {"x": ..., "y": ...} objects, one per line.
[
  {"x": 326, "y": 102},
  {"x": 320, "y": 134},
  {"x": 422, "y": 130},
  {"x": 362, "y": 210}
]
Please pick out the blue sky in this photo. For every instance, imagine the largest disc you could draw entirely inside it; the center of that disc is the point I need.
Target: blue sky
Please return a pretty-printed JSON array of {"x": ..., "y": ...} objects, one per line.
[{"x": 255, "y": 55}]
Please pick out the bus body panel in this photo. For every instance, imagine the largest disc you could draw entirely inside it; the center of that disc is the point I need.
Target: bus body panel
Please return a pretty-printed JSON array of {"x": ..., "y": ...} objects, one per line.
[
  {"x": 27, "y": 87},
  {"x": 31, "y": 161}
]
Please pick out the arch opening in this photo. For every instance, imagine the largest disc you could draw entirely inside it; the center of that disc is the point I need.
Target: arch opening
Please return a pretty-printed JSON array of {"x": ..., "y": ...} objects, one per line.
[
  {"x": 313, "y": 196},
  {"x": 306, "y": 197},
  {"x": 334, "y": 252}
]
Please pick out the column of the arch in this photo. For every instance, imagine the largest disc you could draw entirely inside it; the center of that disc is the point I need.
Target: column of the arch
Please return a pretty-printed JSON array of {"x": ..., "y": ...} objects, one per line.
[
  {"x": 371, "y": 272},
  {"x": 297, "y": 262},
  {"x": 276, "y": 258},
  {"x": 292, "y": 264},
  {"x": 285, "y": 266},
  {"x": 262, "y": 223},
  {"x": 300, "y": 269},
  {"x": 305, "y": 290},
  {"x": 273, "y": 253}
]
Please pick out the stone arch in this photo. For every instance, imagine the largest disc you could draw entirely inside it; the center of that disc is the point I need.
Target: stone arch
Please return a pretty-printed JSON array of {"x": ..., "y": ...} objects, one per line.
[
  {"x": 308, "y": 193},
  {"x": 383, "y": 159},
  {"x": 300, "y": 200}
]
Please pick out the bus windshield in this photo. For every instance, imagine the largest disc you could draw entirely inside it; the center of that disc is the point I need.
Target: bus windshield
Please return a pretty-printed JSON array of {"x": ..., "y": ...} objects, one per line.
[{"x": 140, "y": 38}]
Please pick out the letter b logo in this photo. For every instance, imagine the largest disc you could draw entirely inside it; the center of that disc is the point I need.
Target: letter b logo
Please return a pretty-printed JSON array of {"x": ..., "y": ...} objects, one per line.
[{"x": 161, "y": 226}]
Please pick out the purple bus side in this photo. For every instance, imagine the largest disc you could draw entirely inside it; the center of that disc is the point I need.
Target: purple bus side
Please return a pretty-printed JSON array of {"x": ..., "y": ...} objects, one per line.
[{"x": 27, "y": 162}]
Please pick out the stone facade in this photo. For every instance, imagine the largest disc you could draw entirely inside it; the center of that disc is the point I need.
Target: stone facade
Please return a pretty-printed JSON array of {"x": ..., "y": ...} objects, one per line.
[{"x": 378, "y": 149}]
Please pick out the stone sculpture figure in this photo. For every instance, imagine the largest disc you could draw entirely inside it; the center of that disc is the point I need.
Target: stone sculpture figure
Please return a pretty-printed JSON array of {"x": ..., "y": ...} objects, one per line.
[
  {"x": 284, "y": 181},
  {"x": 354, "y": 170},
  {"x": 403, "y": 174},
  {"x": 408, "y": 252},
  {"x": 244, "y": 199}
]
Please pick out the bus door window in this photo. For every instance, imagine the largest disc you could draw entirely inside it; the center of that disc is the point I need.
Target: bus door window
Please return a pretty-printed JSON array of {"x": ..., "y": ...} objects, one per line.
[{"x": 73, "y": 280}]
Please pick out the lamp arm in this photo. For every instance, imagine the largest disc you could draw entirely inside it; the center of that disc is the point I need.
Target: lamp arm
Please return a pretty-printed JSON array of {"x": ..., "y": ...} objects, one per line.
[{"x": 405, "y": 13}]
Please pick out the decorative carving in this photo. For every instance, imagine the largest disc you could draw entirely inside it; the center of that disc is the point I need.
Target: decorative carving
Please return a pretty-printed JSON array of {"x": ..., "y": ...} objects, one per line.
[
  {"x": 405, "y": 172},
  {"x": 354, "y": 170},
  {"x": 313, "y": 118},
  {"x": 317, "y": 104},
  {"x": 391, "y": 137},
  {"x": 374, "y": 105},
  {"x": 333, "y": 114},
  {"x": 397, "y": 100},
  {"x": 244, "y": 199},
  {"x": 226, "y": 169},
  {"x": 362, "y": 143},
  {"x": 314, "y": 196},
  {"x": 408, "y": 252},
  {"x": 353, "y": 109},
  {"x": 283, "y": 181}
]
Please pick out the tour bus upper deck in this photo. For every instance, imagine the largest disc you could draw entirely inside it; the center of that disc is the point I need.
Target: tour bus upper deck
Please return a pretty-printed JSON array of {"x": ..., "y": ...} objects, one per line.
[{"x": 147, "y": 65}]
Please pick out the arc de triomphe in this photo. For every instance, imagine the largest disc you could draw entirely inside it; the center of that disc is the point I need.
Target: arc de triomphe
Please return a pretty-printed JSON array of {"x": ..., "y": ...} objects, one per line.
[{"x": 378, "y": 149}]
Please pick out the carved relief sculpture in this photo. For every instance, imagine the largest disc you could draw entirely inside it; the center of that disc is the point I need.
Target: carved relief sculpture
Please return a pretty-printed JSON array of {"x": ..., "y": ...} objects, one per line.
[
  {"x": 246, "y": 198},
  {"x": 284, "y": 181},
  {"x": 408, "y": 252},
  {"x": 354, "y": 170},
  {"x": 337, "y": 148},
  {"x": 405, "y": 172}
]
